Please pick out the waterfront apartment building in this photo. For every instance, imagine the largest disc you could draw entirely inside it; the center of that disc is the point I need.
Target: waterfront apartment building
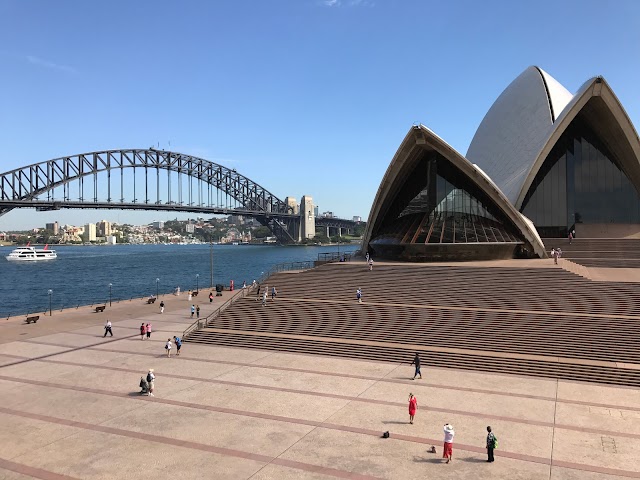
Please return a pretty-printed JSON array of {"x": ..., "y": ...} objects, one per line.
[
  {"x": 90, "y": 232},
  {"x": 54, "y": 227},
  {"x": 190, "y": 228},
  {"x": 103, "y": 228},
  {"x": 158, "y": 225}
]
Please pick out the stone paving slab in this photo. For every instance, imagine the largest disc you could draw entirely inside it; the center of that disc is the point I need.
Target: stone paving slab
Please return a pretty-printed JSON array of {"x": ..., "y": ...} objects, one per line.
[
  {"x": 389, "y": 458},
  {"x": 266, "y": 437},
  {"x": 105, "y": 457},
  {"x": 227, "y": 425}
]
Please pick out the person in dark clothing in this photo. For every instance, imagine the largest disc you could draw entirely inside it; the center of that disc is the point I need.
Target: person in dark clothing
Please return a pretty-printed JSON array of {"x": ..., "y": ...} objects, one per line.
[
  {"x": 491, "y": 444},
  {"x": 416, "y": 362}
]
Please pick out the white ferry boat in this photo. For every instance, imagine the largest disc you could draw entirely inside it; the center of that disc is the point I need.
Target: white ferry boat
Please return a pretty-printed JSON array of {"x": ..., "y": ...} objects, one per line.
[{"x": 30, "y": 254}]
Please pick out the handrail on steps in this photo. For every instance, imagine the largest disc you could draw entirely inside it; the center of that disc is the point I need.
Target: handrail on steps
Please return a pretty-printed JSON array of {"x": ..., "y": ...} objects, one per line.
[{"x": 281, "y": 267}]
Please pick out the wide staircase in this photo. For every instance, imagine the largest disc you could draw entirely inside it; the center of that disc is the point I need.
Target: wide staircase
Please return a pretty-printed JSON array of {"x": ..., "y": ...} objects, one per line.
[
  {"x": 541, "y": 321},
  {"x": 599, "y": 252}
]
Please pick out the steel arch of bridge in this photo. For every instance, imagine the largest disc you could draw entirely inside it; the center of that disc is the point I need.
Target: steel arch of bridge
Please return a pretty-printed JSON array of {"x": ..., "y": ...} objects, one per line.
[{"x": 21, "y": 187}]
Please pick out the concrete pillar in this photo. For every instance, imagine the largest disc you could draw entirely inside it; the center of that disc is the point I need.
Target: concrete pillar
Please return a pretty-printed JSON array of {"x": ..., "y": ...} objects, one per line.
[{"x": 307, "y": 219}]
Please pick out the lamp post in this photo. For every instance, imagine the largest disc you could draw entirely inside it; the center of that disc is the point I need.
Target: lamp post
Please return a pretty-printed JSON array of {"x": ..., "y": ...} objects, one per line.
[
  {"x": 157, "y": 281},
  {"x": 197, "y": 288},
  {"x": 211, "y": 261},
  {"x": 110, "y": 293},
  {"x": 50, "y": 292}
]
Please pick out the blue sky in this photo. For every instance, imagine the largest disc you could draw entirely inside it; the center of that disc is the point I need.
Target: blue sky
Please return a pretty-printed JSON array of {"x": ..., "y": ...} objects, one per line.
[{"x": 302, "y": 96}]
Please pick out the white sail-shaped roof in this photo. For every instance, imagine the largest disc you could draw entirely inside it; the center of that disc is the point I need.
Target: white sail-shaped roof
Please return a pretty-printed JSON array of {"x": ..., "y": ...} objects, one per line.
[{"x": 515, "y": 129}]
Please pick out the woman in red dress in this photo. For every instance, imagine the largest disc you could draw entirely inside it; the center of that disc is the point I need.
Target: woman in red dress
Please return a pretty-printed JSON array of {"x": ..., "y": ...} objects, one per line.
[{"x": 413, "y": 406}]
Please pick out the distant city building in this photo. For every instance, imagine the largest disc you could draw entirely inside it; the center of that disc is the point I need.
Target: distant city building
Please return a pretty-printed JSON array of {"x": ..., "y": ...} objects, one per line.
[
  {"x": 316, "y": 211},
  {"x": 190, "y": 228},
  {"x": 111, "y": 240},
  {"x": 327, "y": 214},
  {"x": 103, "y": 228},
  {"x": 357, "y": 218},
  {"x": 90, "y": 232},
  {"x": 235, "y": 219},
  {"x": 158, "y": 225},
  {"x": 53, "y": 227}
]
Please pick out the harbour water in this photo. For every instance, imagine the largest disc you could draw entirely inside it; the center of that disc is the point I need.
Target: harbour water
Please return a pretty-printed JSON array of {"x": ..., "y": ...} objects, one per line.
[{"x": 81, "y": 274}]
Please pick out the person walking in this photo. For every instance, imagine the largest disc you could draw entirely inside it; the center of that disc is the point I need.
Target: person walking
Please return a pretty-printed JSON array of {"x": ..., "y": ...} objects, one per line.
[
  {"x": 554, "y": 254},
  {"x": 274, "y": 292},
  {"x": 193, "y": 310},
  {"x": 448, "y": 442},
  {"x": 162, "y": 306},
  {"x": 178, "y": 342},
  {"x": 370, "y": 264},
  {"x": 107, "y": 329},
  {"x": 143, "y": 330},
  {"x": 148, "y": 330},
  {"x": 198, "y": 311},
  {"x": 491, "y": 444},
  {"x": 210, "y": 297},
  {"x": 264, "y": 298},
  {"x": 413, "y": 406},
  {"x": 258, "y": 294},
  {"x": 359, "y": 295},
  {"x": 416, "y": 362},
  {"x": 168, "y": 347},
  {"x": 189, "y": 298},
  {"x": 244, "y": 284},
  {"x": 151, "y": 378},
  {"x": 367, "y": 258}
]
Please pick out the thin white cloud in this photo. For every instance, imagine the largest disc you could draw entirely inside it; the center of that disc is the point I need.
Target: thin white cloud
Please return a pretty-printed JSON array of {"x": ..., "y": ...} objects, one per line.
[
  {"x": 47, "y": 64},
  {"x": 347, "y": 3}
]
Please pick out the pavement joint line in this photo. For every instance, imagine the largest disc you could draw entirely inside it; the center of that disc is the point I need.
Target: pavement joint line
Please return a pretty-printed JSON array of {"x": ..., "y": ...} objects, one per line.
[
  {"x": 187, "y": 444},
  {"x": 279, "y": 418},
  {"x": 358, "y": 398},
  {"x": 71, "y": 349},
  {"x": 425, "y": 348},
  {"x": 469, "y": 309},
  {"x": 345, "y": 375},
  {"x": 34, "y": 472},
  {"x": 282, "y": 462}
]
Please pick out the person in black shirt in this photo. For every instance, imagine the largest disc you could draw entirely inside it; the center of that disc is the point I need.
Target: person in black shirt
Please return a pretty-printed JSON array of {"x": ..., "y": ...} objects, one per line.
[{"x": 416, "y": 362}]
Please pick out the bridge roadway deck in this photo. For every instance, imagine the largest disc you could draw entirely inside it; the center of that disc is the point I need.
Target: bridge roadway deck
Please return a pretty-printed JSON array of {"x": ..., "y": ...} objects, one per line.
[{"x": 70, "y": 410}]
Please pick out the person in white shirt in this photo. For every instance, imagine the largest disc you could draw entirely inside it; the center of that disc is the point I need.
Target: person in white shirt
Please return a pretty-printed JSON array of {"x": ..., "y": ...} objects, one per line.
[
  {"x": 448, "y": 442},
  {"x": 151, "y": 380},
  {"x": 107, "y": 329},
  {"x": 168, "y": 347}
]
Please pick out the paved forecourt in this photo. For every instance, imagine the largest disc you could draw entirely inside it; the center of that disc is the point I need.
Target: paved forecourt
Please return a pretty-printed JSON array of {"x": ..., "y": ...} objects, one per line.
[{"x": 70, "y": 408}]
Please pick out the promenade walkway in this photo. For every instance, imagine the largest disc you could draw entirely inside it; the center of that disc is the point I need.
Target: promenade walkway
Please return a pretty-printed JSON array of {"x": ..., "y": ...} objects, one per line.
[{"x": 70, "y": 409}]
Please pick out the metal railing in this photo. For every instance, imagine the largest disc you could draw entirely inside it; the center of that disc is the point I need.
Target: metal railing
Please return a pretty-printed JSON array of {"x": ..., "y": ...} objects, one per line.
[
  {"x": 280, "y": 267},
  {"x": 204, "y": 322},
  {"x": 329, "y": 257}
]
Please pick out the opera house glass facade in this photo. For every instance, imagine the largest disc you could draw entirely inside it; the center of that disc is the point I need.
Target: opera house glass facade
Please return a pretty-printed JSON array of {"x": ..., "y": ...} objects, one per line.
[
  {"x": 543, "y": 161},
  {"x": 581, "y": 181}
]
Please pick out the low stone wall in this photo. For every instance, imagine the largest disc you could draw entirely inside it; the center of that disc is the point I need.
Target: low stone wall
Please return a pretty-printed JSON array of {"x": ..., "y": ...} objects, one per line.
[{"x": 576, "y": 268}]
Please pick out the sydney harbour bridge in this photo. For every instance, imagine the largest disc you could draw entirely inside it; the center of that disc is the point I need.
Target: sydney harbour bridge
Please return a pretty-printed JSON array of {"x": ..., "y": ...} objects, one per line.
[{"x": 150, "y": 179}]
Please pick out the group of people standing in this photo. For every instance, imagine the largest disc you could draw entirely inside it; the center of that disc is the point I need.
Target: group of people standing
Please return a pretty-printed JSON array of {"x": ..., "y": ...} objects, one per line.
[
  {"x": 145, "y": 330},
  {"x": 449, "y": 432}
]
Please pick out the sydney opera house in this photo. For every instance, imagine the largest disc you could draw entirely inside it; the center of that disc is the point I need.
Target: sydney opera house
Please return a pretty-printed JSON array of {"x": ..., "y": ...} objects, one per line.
[{"x": 542, "y": 163}]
